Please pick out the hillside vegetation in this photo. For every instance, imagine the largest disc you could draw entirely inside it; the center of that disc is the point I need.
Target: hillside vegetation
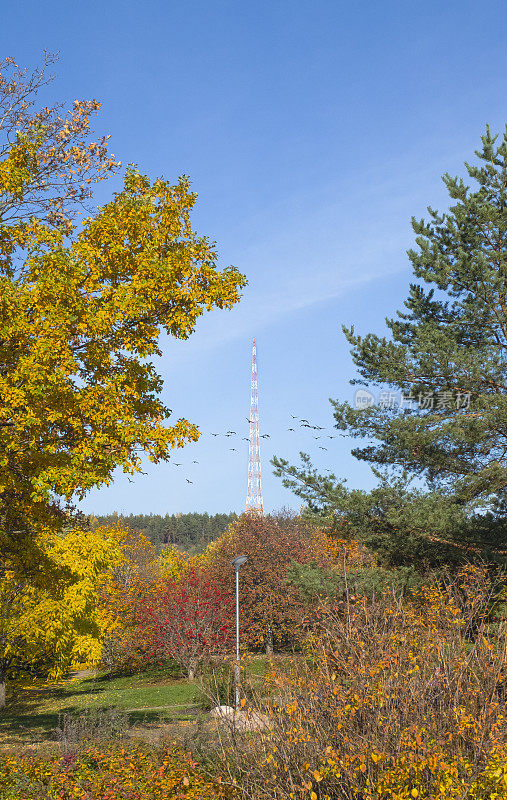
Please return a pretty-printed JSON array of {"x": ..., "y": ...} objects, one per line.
[{"x": 190, "y": 532}]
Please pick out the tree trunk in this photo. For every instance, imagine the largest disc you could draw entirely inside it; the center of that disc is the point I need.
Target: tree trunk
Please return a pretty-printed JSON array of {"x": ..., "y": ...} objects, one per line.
[
  {"x": 192, "y": 669},
  {"x": 2, "y": 691},
  {"x": 269, "y": 642}
]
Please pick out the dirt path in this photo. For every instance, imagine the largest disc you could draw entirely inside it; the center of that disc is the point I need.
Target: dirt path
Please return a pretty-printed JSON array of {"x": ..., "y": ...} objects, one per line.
[{"x": 79, "y": 674}]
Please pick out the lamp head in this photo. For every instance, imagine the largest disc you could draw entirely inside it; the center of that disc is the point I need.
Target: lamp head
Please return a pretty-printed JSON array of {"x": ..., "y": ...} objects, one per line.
[{"x": 239, "y": 561}]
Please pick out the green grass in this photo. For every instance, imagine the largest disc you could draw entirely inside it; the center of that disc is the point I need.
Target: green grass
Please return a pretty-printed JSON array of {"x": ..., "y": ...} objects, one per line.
[
  {"x": 257, "y": 666},
  {"x": 151, "y": 696},
  {"x": 96, "y": 695},
  {"x": 155, "y": 695}
]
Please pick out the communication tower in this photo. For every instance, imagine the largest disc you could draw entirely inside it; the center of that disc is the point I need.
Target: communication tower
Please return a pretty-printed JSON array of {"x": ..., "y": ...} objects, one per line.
[{"x": 254, "y": 491}]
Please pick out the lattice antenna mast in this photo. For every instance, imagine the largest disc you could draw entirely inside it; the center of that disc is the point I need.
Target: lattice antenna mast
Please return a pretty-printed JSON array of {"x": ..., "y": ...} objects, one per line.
[{"x": 254, "y": 491}]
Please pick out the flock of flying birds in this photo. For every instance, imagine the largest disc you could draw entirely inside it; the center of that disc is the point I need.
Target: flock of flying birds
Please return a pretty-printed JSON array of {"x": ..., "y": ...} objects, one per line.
[{"x": 303, "y": 423}]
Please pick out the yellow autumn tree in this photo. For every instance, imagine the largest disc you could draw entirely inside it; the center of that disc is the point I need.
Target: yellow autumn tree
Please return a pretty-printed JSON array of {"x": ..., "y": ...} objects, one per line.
[
  {"x": 134, "y": 572},
  {"x": 173, "y": 564},
  {"x": 50, "y": 617},
  {"x": 82, "y": 307}
]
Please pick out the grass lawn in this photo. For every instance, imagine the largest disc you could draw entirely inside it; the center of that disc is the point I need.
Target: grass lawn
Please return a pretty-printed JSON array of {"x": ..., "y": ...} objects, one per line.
[
  {"x": 257, "y": 666},
  {"x": 151, "y": 696}
]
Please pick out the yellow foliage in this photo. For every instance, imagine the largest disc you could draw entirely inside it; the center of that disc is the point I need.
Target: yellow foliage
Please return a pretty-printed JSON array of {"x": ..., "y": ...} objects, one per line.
[
  {"x": 173, "y": 564},
  {"x": 396, "y": 700},
  {"x": 81, "y": 312},
  {"x": 55, "y": 620},
  {"x": 110, "y": 770}
]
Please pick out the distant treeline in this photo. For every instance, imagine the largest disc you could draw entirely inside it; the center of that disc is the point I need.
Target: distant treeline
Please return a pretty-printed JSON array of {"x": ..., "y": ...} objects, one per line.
[{"x": 191, "y": 532}]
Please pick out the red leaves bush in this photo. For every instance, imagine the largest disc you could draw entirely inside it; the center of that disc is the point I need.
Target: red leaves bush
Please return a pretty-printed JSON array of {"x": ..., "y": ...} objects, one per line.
[{"x": 190, "y": 620}]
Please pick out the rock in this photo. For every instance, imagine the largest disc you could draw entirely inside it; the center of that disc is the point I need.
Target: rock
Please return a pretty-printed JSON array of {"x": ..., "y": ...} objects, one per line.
[
  {"x": 251, "y": 721},
  {"x": 242, "y": 720},
  {"x": 222, "y": 712}
]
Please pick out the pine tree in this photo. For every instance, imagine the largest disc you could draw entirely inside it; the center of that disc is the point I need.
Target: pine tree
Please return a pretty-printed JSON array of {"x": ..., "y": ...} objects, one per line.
[{"x": 444, "y": 362}]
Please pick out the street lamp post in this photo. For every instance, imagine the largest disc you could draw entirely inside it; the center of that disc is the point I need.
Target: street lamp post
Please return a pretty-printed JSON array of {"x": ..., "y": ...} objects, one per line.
[{"x": 237, "y": 563}]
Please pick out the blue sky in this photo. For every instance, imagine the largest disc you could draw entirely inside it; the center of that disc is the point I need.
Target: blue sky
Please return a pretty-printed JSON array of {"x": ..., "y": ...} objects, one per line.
[{"x": 312, "y": 132}]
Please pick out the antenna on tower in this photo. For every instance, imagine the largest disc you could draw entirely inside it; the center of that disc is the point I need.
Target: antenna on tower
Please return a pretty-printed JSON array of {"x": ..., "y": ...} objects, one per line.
[{"x": 254, "y": 491}]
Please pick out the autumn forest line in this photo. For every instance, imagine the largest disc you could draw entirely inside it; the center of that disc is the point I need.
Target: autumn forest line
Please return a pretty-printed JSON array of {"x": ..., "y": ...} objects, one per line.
[{"x": 188, "y": 531}]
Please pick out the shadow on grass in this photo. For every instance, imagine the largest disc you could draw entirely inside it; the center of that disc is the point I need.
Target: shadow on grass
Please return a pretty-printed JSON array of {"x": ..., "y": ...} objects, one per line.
[
  {"x": 28, "y": 697},
  {"x": 28, "y": 718},
  {"x": 24, "y": 720},
  {"x": 24, "y": 695},
  {"x": 27, "y": 727},
  {"x": 155, "y": 673},
  {"x": 23, "y": 724}
]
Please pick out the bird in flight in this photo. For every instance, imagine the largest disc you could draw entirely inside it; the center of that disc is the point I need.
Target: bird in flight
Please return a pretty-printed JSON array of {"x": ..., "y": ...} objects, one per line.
[
  {"x": 250, "y": 420},
  {"x": 305, "y": 425},
  {"x": 188, "y": 481},
  {"x": 317, "y": 437},
  {"x": 293, "y": 416},
  {"x": 195, "y": 462},
  {"x": 231, "y": 433},
  {"x": 331, "y": 437},
  {"x": 265, "y": 436},
  {"x": 176, "y": 464},
  {"x": 322, "y": 448},
  {"x": 233, "y": 448},
  {"x": 246, "y": 439},
  {"x": 290, "y": 429},
  {"x": 304, "y": 420},
  {"x": 215, "y": 434}
]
